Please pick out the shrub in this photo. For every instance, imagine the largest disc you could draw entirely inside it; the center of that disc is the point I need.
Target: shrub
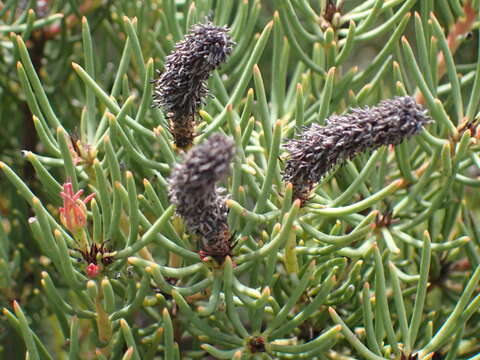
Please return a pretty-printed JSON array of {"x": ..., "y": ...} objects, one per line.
[{"x": 298, "y": 179}]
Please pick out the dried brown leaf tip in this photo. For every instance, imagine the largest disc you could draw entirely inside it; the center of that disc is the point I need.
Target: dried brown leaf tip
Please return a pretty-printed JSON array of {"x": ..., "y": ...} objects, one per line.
[
  {"x": 320, "y": 148},
  {"x": 193, "y": 189},
  {"x": 182, "y": 88}
]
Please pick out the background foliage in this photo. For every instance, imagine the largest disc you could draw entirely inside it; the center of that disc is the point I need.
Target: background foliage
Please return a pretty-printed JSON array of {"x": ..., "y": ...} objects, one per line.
[{"x": 381, "y": 263}]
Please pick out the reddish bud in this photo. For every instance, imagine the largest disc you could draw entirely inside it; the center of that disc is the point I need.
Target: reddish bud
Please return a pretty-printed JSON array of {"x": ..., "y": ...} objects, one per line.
[{"x": 93, "y": 270}]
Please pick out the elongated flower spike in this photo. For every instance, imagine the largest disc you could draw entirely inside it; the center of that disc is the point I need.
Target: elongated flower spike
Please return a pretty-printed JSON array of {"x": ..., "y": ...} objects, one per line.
[
  {"x": 181, "y": 89},
  {"x": 320, "y": 148},
  {"x": 193, "y": 189}
]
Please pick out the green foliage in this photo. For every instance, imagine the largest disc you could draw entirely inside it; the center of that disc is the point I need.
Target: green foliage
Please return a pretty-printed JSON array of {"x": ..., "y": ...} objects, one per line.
[{"x": 382, "y": 262}]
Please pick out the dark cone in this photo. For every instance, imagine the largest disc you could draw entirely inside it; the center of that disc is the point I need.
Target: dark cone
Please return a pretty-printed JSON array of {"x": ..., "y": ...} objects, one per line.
[
  {"x": 320, "y": 148},
  {"x": 192, "y": 188},
  {"x": 181, "y": 89}
]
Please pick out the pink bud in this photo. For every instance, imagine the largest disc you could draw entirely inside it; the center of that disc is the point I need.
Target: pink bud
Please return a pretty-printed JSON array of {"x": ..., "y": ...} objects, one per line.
[
  {"x": 73, "y": 214},
  {"x": 93, "y": 270}
]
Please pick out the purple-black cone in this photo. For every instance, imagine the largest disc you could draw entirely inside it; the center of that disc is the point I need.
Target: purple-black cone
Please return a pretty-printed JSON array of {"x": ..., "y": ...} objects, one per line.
[
  {"x": 193, "y": 189},
  {"x": 320, "y": 148},
  {"x": 182, "y": 87}
]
